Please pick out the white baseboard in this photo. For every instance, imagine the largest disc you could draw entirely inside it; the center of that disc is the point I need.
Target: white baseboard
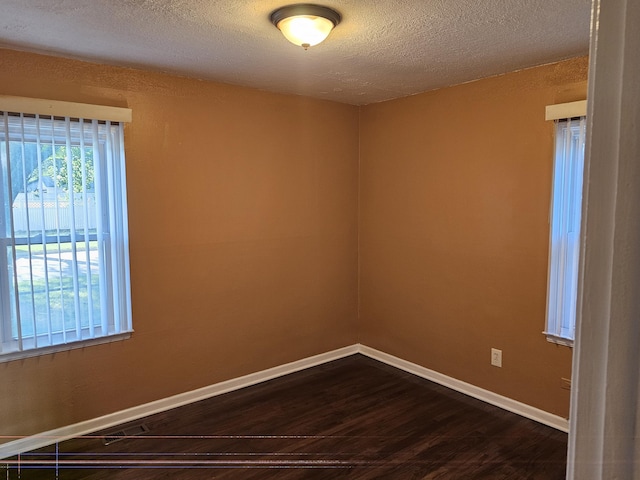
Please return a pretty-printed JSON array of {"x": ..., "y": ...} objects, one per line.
[
  {"x": 487, "y": 396},
  {"x": 33, "y": 442}
]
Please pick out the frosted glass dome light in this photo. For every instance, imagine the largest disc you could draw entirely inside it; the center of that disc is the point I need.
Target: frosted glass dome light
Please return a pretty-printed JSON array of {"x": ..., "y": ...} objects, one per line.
[{"x": 304, "y": 24}]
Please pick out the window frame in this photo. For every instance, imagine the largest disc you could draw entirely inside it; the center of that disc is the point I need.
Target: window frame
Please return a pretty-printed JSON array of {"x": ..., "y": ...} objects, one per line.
[
  {"x": 72, "y": 112},
  {"x": 555, "y": 331}
]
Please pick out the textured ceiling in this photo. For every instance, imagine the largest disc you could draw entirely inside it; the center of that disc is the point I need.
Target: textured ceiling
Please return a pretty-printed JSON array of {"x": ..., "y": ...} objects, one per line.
[{"x": 383, "y": 49}]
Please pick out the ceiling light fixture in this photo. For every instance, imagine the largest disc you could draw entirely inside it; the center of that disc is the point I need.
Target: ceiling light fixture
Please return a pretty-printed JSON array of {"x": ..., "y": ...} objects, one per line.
[{"x": 305, "y": 24}]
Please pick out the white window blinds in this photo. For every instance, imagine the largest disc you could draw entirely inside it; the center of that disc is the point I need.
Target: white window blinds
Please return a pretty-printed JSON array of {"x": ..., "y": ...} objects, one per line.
[
  {"x": 64, "y": 266},
  {"x": 565, "y": 229}
]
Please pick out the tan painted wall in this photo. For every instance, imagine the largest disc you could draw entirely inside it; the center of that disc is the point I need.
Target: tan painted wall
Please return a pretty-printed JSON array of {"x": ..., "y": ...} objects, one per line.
[
  {"x": 244, "y": 235},
  {"x": 243, "y": 229},
  {"x": 455, "y": 193}
]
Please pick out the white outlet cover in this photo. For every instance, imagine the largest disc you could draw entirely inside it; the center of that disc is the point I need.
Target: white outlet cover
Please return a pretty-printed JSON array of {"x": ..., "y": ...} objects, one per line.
[{"x": 496, "y": 357}]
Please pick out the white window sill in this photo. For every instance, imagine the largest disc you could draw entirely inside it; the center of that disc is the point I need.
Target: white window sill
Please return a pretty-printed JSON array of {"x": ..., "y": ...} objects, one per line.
[
  {"x": 567, "y": 342},
  {"x": 36, "y": 352}
]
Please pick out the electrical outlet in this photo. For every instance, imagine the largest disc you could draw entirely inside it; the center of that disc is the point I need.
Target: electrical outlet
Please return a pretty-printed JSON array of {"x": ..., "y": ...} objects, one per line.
[
  {"x": 496, "y": 357},
  {"x": 565, "y": 383}
]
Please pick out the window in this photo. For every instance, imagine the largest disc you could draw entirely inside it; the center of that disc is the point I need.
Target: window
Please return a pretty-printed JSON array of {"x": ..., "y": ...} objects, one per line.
[
  {"x": 566, "y": 210},
  {"x": 64, "y": 261}
]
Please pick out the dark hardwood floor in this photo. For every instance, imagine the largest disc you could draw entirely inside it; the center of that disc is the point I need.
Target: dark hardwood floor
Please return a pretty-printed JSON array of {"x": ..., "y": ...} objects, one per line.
[{"x": 352, "y": 418}]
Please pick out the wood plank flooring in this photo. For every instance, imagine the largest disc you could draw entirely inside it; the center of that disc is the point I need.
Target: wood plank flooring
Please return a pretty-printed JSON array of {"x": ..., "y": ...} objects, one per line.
[{"x": 352, "y": 418}]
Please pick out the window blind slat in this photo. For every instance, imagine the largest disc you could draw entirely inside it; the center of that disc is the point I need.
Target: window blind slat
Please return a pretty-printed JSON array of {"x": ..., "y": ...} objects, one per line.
[
  {"x": 72, "y": 233},
  {"x": 124, "y": 312},
  {"x": 47, "y": 293},
  {"x": 13, "y": 297},
  {"x": 4, "y": 301},
  {"x": 29, "y": 250},
  {"x": 59, "y": 293},
  {"x": 111, "y": 196},
  {"x": 100, "y": 220},
  {"x": 5, "y": 309},
  {"x": 87, "y": 251}
]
